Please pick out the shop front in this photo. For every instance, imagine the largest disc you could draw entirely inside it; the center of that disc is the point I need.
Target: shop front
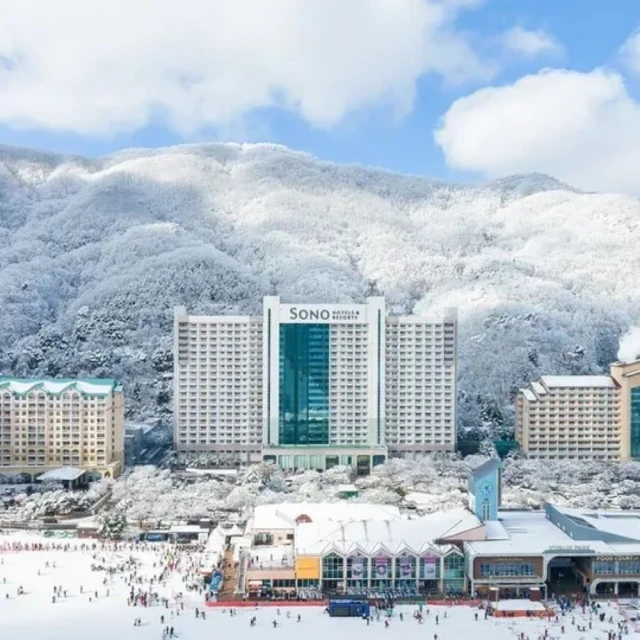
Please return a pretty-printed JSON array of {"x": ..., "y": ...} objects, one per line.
[
  {"x": 613, "y": 575},
  {"x": 430, "y": 574},
  {"x": 511, "y": 576}
]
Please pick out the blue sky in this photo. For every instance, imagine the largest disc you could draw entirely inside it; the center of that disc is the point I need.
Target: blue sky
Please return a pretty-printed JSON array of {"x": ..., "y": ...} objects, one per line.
[{"x": 581, "y": 36}]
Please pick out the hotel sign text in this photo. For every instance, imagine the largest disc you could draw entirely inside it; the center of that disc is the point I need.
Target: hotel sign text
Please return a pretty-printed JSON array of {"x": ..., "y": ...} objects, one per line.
[{"x": 323, "y": 314}]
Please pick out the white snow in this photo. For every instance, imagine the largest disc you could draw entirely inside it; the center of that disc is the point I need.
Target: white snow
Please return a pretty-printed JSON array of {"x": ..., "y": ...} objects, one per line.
[
  {"x": 33, "y": 616},
  {"x": 395, "y": 536},
  {"x": 553, "y": 382},
  {"x": 63, "y": 474},
  {"x": 96, "y": 253},
  {"x": 53, "y": 386},
  {"x": 283, "y": 516}
]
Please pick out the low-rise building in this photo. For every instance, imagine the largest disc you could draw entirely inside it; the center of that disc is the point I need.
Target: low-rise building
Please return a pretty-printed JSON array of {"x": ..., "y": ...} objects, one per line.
[
  {"x": 582, "y": 417},
  {"x": 368, "y": 550},
  {"x": 51, "y": 423}
]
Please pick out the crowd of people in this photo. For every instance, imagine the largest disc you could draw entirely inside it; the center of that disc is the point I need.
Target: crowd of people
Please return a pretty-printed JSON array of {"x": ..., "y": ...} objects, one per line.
[{"x": 161, "y": 584}]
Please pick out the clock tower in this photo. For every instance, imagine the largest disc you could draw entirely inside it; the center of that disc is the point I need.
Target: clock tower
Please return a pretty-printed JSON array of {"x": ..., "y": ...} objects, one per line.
[{"x": 485, "y": 486}]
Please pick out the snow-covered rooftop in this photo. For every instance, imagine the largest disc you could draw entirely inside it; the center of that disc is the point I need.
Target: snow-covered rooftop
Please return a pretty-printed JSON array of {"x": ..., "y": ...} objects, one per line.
[
  {"x": 532, "y": 533},
  {"x": 617, "y": 523},
  {"x": 538, "y": 388},
  {"x": 393, "y": 536},
  {"x": 578, "y": 381},
  {"x": 525, "y": 533},
  {"x": 64, "y": 474},
  {"x": 284, "y": 516},
  {"x": 56, "y": 386}
]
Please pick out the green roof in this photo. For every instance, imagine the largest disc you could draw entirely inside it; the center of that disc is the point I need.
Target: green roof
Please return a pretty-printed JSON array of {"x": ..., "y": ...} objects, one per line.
[{"x": 56, "y": 386}]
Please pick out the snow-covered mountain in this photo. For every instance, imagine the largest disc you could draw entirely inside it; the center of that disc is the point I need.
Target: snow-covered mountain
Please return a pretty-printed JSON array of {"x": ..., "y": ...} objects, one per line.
[{"x": 94, "y": 254}]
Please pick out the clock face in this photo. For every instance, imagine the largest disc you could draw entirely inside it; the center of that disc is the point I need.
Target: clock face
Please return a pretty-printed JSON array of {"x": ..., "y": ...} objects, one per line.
[{"x": 487, "y": 489}]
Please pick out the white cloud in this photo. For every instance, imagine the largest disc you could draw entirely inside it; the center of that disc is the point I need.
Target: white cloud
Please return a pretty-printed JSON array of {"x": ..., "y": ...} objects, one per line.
[
  {"x": 98, "y": 67},
  {"x": 530, "y": 43},
  {"x": 630, "y": 52},
  {"x": 583, "y": 128}
]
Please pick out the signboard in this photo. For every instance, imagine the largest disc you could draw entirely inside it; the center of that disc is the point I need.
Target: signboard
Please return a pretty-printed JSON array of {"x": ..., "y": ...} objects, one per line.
[
  {"x": 430, "y": 567},
  {"x": 381, "y": 568},
  {"x": 357, "y": 568},
  {"x": 323, "y": 313},
  {"x": 308, "y": 568},
  {"x": 617, "y": 558},
  {"x": 405, "y": 567},
  {"x": 570, "y": 549}
]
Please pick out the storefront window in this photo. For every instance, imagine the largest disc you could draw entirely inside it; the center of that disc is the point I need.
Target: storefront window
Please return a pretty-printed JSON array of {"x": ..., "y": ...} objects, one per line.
[
  {"x": 430, "y": 567},
  {"x": 505, "y": 569},
  {"x": 406, "y": 571},
  {"x": 357, "y": 571},
  {"x": 363, "y": 465},
  {"x": 286, "y": 462},
  {"x": 629, "y": 567},
  {"x": 604, "y": 568},
  {"x": 283, "y": 584},
  {"x": 332, "y": 461},
  {"x": 616, "y": 567},
  {"x": 332, "y": 571},
  {"x": 308, "y": 584},
  {"x": 381, "y": 571},
  {"x": 454, "y": 576}
]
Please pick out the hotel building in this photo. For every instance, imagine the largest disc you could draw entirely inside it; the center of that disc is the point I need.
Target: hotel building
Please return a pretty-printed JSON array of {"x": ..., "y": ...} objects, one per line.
[
  {"x": 582, "y": 417},
  {"x": 48, "y": 424},
  {"x": 314, "y": 385}
]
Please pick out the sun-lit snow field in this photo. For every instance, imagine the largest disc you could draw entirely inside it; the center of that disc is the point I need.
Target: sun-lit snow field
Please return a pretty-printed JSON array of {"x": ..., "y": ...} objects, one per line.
[{"x": 81, "y": 615}]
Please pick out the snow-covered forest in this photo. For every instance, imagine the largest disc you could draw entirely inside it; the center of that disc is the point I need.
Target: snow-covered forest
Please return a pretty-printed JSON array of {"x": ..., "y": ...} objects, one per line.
[
  {"x": 96, "y": 252},
  {"x": 435, "y": 483}
]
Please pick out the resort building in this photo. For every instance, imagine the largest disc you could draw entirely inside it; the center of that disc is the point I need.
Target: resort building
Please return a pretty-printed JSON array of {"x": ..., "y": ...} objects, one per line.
[
  {"x": 582, "y": 417},
  {"x": 47, "y": 424},
  {"x": 366, "y": 550},
  {"x": 311, "y": 386}
]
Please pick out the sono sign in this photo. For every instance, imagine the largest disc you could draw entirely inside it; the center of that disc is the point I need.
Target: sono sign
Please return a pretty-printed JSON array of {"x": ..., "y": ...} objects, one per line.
[{"x": 320, "y": 314}]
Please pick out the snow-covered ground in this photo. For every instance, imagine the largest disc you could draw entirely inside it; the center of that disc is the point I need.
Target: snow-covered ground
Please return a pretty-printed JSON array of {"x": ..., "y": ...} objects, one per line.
[{"x": 78, "y": 616}]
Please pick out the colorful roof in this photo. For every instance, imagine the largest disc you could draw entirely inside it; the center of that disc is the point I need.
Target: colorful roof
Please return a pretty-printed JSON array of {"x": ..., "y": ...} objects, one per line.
[{"x": 56, "y": 386}]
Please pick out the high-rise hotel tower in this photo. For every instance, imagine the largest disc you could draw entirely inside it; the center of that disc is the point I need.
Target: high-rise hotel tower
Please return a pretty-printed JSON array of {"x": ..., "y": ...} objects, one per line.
[{"x": 315, "y": 385}]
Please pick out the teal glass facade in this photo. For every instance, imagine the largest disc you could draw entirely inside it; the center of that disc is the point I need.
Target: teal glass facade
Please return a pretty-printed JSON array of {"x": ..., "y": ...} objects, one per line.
[
  {"x": 304, "y": 384},
  {"x": 635, "y": 422}
]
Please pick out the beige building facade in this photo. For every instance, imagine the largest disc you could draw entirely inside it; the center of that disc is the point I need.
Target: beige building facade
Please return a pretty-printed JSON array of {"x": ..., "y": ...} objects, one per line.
[
  {"x": 582, "y": 417},
  {"x": 310, "y": 386},
  {"x": 46, "y": 424}
]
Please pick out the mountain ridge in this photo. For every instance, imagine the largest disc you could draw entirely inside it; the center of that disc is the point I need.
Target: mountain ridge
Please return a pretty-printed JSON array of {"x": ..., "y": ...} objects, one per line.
[{"x": 97, "y": 251}]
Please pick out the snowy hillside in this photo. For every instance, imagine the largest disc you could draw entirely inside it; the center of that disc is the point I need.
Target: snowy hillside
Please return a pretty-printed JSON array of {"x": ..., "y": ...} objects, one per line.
[{"x": 96, "y": 252}]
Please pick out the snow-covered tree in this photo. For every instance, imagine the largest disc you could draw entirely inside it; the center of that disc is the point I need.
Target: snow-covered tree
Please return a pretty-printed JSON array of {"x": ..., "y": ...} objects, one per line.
[
  {"x": 112, "y": 525},
  {"x": 96, "y": 254}
]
